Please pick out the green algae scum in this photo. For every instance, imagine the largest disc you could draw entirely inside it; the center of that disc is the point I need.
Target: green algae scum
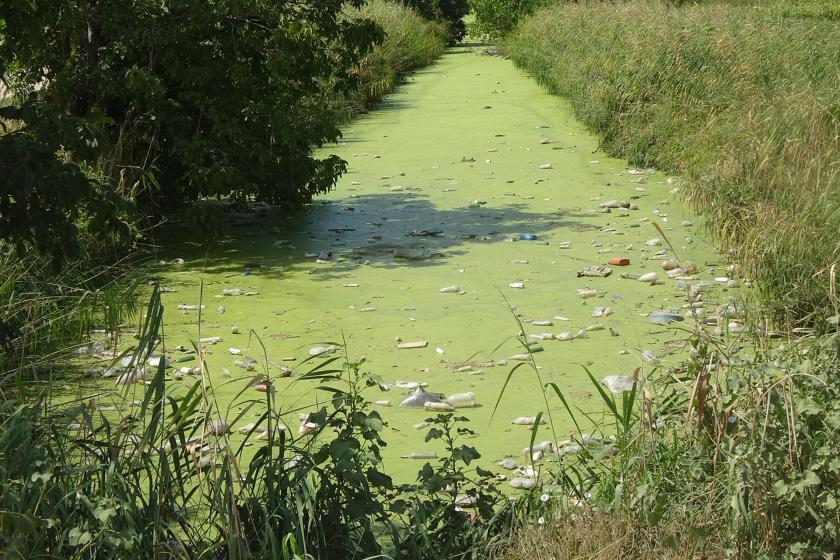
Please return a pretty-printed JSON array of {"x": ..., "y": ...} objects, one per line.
[{"x": 474, "y": 206}]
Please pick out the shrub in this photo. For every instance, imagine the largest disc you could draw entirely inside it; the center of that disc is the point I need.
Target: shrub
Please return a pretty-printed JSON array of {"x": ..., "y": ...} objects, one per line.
[
  {"x": 495, "y": 19},
  {"x": 165, "y": 104}
]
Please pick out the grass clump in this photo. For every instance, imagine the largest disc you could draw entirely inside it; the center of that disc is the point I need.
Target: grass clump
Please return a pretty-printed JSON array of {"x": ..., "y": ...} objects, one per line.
[
  {"x": 411, "y": 42},
  {"x": 743, "y": 103}
]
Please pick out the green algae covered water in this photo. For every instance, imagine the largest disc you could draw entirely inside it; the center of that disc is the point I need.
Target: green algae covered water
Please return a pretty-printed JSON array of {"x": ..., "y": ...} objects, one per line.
[{"x": 471, "y": 178}]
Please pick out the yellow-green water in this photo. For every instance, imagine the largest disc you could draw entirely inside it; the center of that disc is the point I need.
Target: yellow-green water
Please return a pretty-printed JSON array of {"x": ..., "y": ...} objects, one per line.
[{"x": 468, "y": 105}]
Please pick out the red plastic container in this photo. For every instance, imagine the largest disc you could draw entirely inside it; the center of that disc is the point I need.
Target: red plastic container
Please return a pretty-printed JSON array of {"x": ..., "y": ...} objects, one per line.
[{"x": 619, "y": 262}]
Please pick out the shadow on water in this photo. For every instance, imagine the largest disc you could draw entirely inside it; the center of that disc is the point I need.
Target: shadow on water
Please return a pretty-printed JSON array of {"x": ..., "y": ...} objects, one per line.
[{"x": 356, "y": 231}]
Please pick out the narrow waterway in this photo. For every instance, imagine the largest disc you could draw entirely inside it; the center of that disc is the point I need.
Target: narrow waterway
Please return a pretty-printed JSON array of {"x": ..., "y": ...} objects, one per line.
[{"x": 486, "y": 183}]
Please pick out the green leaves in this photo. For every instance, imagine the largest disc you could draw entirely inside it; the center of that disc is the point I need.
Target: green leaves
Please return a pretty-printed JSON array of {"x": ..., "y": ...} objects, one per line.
[{"x": 220, "y": 99}]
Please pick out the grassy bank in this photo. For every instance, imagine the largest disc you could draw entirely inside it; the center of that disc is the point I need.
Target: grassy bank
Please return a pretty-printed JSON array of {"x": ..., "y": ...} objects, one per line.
[
  {"x": 411, "y": 42},
  {"x": 744, "y": 104}
]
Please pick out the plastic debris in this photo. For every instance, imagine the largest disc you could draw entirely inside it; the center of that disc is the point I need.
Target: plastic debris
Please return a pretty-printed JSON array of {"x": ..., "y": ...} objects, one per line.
[
  {"x": 321, "y": 350},
  {"x": 412, "y": 345},
  {"x": 526, "y": 421},
  {"x": 619, "y": 383},
  {"x": 420, "y": 455},
  {"x": 595, "y": 271}
]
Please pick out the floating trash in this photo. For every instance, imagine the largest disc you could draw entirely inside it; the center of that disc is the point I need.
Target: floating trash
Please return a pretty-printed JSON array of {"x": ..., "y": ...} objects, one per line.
[
  {"x": 602, "y": 312},
  {"x": 547, "y": 166},
  {"x": 454, "y": 289},
  {"x": 595, "y": 271},
  {"x": 508, "y": 464},
  {"x": 155, "y": 362},
  {"x": 420, "y": 455},
  {"x": 649, "y": 357},
  {"x": 619, "y": 383},
  {"x": 586, "y": 293},
  {"x": 517, "y": 285},
  {"x": 663, "y": 317},
  {"x": 650, "y": 277},
  {"x": 234, "y": 351},
  {"x": 439, "y": 406},
  {"x": 523, "y": 483},
  {"x": 670, "y": 264},
  {"x": 619, "y": 261},
  {"x": 526, "y": 421},
  {"x": 321, "y": 350},
  {"x": 528, "y": 237},
  {"x": 418, "y": 399},
  {"x": 412, "y": 345},
  {"x": 409, "y": 384}
]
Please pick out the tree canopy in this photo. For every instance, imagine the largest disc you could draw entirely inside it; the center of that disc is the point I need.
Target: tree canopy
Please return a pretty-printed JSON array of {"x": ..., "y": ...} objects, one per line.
[{"x": 122, "y": 107}]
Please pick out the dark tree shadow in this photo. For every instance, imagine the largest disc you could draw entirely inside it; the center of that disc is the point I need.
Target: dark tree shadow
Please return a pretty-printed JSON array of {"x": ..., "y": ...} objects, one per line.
[{"x": 356, "y": 231}]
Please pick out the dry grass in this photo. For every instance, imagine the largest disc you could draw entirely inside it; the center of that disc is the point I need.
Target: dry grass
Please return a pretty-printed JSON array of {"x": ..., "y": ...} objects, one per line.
[{"x": 605, "y": 537}]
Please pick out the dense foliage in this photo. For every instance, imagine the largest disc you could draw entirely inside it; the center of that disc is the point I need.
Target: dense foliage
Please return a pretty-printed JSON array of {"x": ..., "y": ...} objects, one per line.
[
  {"x": 741, "y": 102},
  {"x": 496, "y": 18},
  {"x": 162, "y": 103},
  {"x": 451, "y": 12}
]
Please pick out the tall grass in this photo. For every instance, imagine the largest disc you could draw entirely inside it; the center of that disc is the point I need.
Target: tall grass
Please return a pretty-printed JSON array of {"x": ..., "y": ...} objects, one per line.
[
  {"x": 743, "y": 103},
  {"x": 729, "y": 453},
  {"x": 411, "y": 42},
  {"x": 161, "y": 477},
  {"x": 44, "y": 312}
]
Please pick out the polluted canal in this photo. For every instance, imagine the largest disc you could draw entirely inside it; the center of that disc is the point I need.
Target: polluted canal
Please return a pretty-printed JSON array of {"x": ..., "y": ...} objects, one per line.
[{"x": 473, "y": 202}]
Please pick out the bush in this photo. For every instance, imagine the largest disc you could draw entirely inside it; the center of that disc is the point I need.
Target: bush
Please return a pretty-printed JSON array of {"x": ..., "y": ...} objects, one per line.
[
  {"x": 728, "y": 453},
  {"x": 495, "y": 19},
  {"x": 742, "y": 103},
  {"x": 164, "y": 105}
]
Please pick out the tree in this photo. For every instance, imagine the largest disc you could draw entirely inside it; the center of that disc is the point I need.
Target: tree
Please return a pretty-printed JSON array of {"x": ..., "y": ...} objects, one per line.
[
  {"x": 162, "y": 102},
  {"x": 497, "y": 18}
]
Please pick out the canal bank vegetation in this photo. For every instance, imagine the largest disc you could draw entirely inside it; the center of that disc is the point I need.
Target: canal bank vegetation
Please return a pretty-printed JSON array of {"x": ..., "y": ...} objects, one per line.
[
  {"x": 742, "y": 102},
  {"x": 411, "y": 42},
  {"x": 159, "y": 476},
  {"x": 727, "y": 455}
]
